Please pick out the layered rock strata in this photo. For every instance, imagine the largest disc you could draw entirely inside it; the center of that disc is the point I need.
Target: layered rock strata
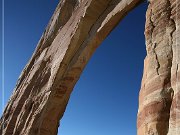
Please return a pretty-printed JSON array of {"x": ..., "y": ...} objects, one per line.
[
  {"x": 75, "y": 30},
  {"x": 159, "y": 108}
]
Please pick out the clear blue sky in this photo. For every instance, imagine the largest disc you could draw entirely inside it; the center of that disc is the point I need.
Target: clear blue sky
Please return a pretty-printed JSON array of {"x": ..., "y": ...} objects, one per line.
[{"x": 105, "y": 99}]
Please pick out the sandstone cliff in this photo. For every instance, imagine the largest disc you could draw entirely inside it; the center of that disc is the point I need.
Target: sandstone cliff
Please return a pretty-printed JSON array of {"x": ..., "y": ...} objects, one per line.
[
  {"x": 75, "y": 30},
  {"x": 159, "y": 95}
]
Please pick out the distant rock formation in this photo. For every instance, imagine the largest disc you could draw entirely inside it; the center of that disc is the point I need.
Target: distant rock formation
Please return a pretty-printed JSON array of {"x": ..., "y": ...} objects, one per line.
[{"x": 75, "y": 30}]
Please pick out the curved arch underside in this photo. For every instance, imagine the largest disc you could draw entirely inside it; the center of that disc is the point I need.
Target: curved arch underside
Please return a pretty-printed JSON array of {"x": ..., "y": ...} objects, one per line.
[{"x": 75, "y": 30}]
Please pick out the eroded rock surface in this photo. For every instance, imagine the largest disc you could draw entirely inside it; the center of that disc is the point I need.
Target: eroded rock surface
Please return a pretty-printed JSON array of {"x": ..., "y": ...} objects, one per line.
[
  {"x": 160, "y": 92},
  {"x": 74, "y": 32}
]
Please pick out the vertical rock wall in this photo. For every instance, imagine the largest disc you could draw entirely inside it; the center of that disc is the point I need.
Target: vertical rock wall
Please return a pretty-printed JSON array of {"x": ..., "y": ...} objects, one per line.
[
  {"x": 160, "y": 92},
  {"x": 74, "y": 32}
]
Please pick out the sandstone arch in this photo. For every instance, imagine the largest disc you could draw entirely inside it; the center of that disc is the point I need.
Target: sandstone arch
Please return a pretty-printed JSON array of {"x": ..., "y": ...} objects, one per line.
[{"x": 75, "y": 30}]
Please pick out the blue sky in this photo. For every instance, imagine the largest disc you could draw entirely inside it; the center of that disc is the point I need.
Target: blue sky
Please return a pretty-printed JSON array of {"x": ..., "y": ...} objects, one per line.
[{"x": 105, "y": 99}]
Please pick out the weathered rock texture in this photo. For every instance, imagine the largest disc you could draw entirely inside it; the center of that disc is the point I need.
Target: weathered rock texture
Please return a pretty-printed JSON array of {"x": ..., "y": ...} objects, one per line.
[
  {"x": 159, "y": 100},
  {"x": 75, "y": 31}
]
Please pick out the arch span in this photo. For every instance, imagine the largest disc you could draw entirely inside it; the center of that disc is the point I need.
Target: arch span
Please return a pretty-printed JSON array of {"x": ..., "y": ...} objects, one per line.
[{"x": 75, "y": 30}]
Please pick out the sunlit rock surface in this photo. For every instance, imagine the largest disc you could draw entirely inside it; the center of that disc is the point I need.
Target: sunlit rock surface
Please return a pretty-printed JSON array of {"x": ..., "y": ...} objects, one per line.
[
  {"x": 75, "y": 30},
  {"x": 159, "y": 108}
]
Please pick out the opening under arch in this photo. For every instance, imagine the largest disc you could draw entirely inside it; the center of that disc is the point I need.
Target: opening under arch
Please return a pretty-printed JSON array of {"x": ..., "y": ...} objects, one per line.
[{"x": 105, "y": 98}]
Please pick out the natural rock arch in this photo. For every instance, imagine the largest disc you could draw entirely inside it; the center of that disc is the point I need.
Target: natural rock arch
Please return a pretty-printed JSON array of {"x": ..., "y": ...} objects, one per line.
[{"x": 75, "y": 30}]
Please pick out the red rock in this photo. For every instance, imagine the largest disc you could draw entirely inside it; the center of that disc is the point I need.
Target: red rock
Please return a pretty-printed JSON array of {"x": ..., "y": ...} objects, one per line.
[{"x": 75, "y": 30}]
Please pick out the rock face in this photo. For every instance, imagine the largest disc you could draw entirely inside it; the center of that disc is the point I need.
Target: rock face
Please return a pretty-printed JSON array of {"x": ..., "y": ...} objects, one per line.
[
  {"x": 159, "y": 100},
  {"x": 74, "y": 32}
]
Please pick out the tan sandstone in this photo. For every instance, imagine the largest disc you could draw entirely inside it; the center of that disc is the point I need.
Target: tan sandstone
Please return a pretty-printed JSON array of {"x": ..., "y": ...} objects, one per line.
[{"x": 75, "y": 30}]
